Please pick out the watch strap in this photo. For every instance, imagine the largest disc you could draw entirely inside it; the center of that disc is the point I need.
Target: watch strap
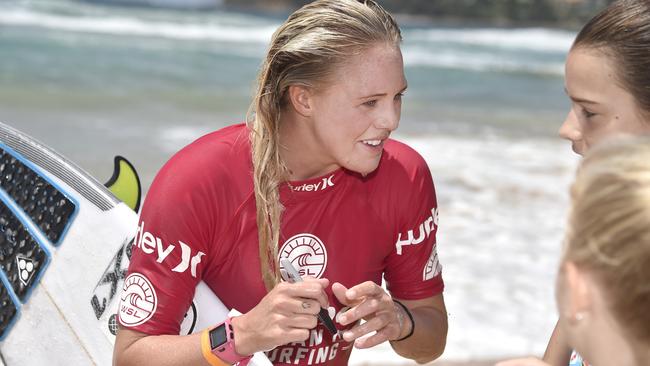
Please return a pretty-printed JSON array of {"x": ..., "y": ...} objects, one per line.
[
  {"x": 226, "y": 352},
  {"x": 206, "y": 349}
]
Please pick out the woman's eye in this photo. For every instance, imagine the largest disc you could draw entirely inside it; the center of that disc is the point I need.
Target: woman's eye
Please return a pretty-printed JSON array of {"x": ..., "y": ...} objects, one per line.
[
  {"x": 371, "y": 103},
  {"x": 587, "y": 113},
  {"x": 399, "y": 96}
]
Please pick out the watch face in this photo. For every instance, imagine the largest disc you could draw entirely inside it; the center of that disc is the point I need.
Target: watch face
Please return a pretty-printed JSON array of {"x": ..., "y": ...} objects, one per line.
[{"x": 218, "y": 336}]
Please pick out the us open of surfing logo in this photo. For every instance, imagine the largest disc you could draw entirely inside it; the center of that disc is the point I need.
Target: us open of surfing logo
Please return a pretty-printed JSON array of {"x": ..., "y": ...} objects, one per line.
[
  {"x": 138, "y": 301},
  {"x": 307, "y": 253}
]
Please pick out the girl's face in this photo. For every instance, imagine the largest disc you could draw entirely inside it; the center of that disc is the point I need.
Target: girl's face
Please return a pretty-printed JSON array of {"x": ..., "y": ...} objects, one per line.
[
  {"x": 354, "y": 116},
  {"x": 600, "y": 107}
]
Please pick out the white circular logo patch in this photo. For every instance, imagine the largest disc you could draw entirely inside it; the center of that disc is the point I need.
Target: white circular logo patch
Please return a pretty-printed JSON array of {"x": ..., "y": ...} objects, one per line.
[
  {"x": 307, "y": 253},
  {"x": 138, "y": 301}
]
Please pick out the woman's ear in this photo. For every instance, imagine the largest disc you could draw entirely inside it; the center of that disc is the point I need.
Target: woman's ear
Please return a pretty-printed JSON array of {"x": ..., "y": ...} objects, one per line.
[
  {"x": 577, "y": 292},
  {"x": 301, "y": 99}
]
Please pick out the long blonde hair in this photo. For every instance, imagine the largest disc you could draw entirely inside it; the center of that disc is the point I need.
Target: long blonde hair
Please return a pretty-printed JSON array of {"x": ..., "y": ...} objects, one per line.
[
  {"x": 305, "y": 50},
  {"x": 609, "y": 228}
]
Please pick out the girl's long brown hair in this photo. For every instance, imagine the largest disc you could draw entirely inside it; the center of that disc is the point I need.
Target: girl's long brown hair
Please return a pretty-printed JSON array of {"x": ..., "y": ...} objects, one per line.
[{"x": 622, "y": 32}]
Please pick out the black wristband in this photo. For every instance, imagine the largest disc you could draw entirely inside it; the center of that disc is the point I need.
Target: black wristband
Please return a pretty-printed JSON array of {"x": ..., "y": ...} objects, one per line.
[{"x": 406, "y": 310}]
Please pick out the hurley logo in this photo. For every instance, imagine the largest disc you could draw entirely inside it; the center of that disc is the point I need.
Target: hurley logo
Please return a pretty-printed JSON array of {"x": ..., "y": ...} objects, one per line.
[
  {"x": 424, "y": 230},
  {"x": 320, "y": 186},
  {"x": 150, "y": 244}
]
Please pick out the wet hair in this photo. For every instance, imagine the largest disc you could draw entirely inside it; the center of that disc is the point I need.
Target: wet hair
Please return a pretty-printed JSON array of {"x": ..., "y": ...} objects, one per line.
[
  {"x": 622, "y": 32},
  {"x": 306, "y": 50},
  {"x": 609, "y": 228}
]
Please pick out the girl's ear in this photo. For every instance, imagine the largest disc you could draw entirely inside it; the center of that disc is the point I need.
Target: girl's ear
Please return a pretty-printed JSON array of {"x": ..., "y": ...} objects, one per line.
[
  {"x": 578, "y": 293},
  {"x": 300, "y": 98}
]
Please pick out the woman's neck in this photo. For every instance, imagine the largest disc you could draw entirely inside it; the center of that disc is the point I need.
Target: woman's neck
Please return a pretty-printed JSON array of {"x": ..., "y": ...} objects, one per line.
[
  {"x": 641, "y": 350},
  {"x": 609, "y": 350},
  {"x": 301, "y": 152},
  {"x": 608, "y": 345}
]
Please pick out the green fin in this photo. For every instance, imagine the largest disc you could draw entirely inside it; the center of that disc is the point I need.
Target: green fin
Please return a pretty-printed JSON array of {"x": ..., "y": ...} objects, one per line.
[{"x": 125, "y": 183}]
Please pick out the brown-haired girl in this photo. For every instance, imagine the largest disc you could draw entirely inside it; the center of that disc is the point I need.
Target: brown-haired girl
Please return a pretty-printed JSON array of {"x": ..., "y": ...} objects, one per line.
[{"x": 607, "y": 79}]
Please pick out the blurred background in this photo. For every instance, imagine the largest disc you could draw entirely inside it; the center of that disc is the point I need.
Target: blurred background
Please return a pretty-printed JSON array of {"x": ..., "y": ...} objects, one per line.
[{"x": 142, "y": 78}]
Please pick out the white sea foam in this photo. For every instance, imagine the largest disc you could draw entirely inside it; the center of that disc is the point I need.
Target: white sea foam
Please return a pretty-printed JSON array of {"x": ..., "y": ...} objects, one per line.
[
  {"x": 476, "y": 60},
  {"x": 535, "y": 39},
  {"x": 439, "y": 48},
  {"x": 132, "y": 26}
]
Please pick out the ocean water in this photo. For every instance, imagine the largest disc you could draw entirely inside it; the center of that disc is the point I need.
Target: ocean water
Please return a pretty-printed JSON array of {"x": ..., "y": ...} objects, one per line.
[{"x": 483, "y": 108}]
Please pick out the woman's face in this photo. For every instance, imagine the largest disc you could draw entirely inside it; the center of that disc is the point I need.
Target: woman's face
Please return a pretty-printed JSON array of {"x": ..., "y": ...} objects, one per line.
[
  {"x": 600, "y": 107},
  {"x": 356, "y": 113}
]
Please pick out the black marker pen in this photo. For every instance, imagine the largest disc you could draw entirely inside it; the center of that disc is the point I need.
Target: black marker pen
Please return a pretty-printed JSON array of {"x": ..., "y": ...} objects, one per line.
[{"x": 294, "y": 276}]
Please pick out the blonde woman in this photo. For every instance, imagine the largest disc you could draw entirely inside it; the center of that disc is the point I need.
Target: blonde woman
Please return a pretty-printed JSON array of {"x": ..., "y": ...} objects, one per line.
[
  {"x": 312, "y": 178},
  {"x": 607, "y": 80}
]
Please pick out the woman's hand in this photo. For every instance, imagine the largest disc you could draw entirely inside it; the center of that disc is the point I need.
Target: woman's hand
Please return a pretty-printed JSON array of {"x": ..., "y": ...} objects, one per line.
[
  {"x": 286, "y": 314},
  {"x": 370, "y": 302}
]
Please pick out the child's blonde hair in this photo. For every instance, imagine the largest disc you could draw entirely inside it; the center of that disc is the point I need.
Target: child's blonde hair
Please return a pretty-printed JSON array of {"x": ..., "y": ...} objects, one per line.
[{"x": 609, "y": 228}]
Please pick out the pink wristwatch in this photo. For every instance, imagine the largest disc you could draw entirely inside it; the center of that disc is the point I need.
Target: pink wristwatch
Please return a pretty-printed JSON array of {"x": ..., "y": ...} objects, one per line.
[{"x": 222, "y": 344}]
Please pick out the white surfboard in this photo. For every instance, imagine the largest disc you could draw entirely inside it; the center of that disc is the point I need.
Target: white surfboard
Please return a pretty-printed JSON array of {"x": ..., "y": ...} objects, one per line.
[
  {"x": 64, "y": 251},
  {"x": 58, "y": 229}
]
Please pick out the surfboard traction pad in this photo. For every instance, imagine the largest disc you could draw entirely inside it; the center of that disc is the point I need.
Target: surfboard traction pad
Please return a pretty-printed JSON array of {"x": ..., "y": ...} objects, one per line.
[
  {"x": 22, "y": 258},
  {"x": 45, "y": 205}
]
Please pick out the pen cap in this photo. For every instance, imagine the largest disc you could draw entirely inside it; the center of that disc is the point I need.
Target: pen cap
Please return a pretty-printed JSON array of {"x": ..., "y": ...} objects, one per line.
[{"x": 288, "y": 272}]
